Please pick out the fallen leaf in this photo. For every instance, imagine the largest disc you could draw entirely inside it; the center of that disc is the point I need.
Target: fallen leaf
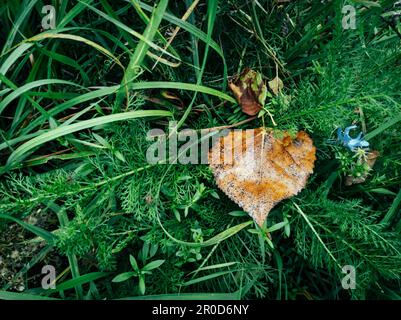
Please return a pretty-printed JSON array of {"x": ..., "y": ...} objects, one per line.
[
  {"x": 370, "y": 162},
  {"x": 276, "y": 85},
  {"x": 250, "y": 91},
  {"x": 258, "y": 168}
]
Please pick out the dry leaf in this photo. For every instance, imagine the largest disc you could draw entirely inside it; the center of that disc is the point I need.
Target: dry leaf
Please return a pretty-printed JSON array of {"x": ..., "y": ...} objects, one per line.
[
  {"x": 250, "y": 91},
  {"x": 370, "y": 162},
  {"x": 257, "y": 169},
  {"x": 276, "y": 85}
]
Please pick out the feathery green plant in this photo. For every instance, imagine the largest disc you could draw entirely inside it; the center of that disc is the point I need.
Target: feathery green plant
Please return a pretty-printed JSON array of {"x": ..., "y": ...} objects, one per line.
[{"x": 77, "y": 102}]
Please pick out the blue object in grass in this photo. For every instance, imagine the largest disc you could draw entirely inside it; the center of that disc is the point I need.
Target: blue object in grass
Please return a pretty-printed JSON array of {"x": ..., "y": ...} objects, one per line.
[{"x": 349, "y": 142}]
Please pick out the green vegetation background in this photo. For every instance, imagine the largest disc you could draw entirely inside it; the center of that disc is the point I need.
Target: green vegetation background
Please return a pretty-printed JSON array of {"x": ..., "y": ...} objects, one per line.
[{"x": 77, "y": 193}]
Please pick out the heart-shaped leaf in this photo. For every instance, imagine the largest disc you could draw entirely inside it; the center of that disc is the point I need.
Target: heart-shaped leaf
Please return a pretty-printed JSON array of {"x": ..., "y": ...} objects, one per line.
[{"x": 258, "y": 168}]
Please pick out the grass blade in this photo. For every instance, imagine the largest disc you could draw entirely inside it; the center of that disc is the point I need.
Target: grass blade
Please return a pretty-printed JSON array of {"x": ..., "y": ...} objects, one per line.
[
  {"x": 27, "y": 87},
  {"x": 45, "y": 235},
  {"x": 383, "y": 127},
  {"x": 188, "y": 296},
  {"x": 205, "y": 278},
  {"x": 52, "y": 35},
  {"x": 6, "y": 295},
  {"x": 26, "y": 8},
  {"x": 141, "y": 49},
  {"x": 216, "y": 239},
  {"x": 22, "y": 151}
]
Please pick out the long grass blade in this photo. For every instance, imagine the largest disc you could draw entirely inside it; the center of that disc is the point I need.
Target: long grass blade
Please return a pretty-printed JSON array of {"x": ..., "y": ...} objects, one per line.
[{"x": 22, "y": 151}]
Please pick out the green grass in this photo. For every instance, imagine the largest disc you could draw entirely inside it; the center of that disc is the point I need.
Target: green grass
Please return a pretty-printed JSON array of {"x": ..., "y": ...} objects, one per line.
[{"x": 77, "y": 192}]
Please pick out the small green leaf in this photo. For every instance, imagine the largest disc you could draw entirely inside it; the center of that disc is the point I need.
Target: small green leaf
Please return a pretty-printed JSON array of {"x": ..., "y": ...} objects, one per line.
[
  {"x": 253, "y": 231},
  {"x": 214, "y": 194},
  {"x": 277, "y": 226},
  {"x": 142, "y": 287},
  {"x": 269, "y": 242},
  {"x": 144, "y": 252},
  {"x": 177, "y": 214},
  {"x": 101, "y": 140},
  {"x": 153, "y": 265},
  {"x": 123, "y": 276},
  {"x": 287, "y": 229},
  {"x": 153, "y": 250},
  {"x": 119, "y": 156},
  {"x": 133, "y": 262},
  {"x": 238, "y": 213}
]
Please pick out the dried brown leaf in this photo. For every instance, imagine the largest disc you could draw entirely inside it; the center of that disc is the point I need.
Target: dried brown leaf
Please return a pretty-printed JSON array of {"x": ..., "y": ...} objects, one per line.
[
  {"x": 258, "y": 168},
  {"x": 250, "y": 91},
  {"x": 276, "y": 85}
]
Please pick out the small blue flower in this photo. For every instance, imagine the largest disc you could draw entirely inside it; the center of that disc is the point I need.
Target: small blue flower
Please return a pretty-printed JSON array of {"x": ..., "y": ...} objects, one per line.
[{"x": 351, "y": 143}]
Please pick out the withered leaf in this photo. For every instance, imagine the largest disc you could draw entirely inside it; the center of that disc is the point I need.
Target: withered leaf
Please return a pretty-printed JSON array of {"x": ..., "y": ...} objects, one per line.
[
  {"x": 258, "y": 168},
  {"x": 250, "y": 91},
  {"x": 276, "y": 85}
]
